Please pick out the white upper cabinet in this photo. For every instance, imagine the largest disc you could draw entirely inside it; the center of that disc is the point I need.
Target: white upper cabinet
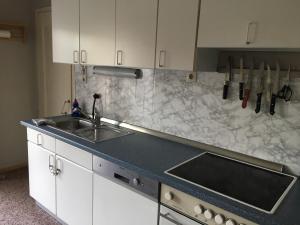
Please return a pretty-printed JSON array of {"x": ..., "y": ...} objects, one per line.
[
  {"x": 249, "y": 24},
  {"x": 65, "y": 31},
  {"x": 136, "y": 33},
  {"x": 176, "y": 34},
  {"x": 97, "y": 32}
]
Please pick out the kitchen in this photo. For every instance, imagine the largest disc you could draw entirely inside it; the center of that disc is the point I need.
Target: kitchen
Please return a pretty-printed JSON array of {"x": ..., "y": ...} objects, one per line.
[{"x": 152, "y": 112}]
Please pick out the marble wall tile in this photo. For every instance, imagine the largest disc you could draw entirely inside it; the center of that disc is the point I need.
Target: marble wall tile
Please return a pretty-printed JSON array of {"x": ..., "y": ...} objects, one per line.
[{"x": 162, "y": 100}]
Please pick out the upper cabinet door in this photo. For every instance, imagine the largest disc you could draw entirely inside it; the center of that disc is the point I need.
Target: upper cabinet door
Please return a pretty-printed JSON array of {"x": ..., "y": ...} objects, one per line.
[
  {"x": 97, "y": 32},
  {"x": 136, "y": 33},
  {"x": 176, "y": 35},
  {"x": 249, "y": 24},
  {"x": 65, "y": 31}
]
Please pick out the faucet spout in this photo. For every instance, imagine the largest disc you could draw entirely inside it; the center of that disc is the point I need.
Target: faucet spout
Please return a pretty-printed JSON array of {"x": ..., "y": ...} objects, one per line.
[{"x": 95, "y": 96}]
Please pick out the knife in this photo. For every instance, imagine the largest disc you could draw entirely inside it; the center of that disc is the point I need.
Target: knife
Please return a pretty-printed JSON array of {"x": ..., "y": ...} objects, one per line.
[
  {"x": 242, "y": 79},
  {"x": 260, "y": 86},
  {"x": 268, "y": 84},
  {"x": 286, "y": 92},
  {"x": 228, "y": 77},
  {"x": 275, "y": 87},
  {"x": 248, "y": 86}
]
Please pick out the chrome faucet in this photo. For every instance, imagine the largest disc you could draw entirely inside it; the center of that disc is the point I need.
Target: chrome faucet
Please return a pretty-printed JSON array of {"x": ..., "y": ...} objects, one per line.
[{"x": 95, "y": 118}]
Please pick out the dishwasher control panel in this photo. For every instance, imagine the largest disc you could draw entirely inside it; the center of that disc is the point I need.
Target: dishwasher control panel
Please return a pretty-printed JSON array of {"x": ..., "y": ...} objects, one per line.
[
  {"x": 126, "y": 177},
  {"x": 199, "y": 210}
]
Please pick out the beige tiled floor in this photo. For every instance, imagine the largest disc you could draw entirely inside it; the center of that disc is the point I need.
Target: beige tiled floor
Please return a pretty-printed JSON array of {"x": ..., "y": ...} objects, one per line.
[{"x": 16, "y": 207}]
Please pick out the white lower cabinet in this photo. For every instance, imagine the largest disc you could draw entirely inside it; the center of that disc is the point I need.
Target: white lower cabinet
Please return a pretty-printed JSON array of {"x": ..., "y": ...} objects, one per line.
[
  {"x": 41, "y": 181},
  {"x": 74, "y": 193},
  {"x": 77, "y": 196},
  {"x": 61, "y": 186},
  {"x": 114, "y": 205}
]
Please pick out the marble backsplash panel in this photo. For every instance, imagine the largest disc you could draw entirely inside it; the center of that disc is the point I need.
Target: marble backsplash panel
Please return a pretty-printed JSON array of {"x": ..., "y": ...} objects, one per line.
[{"x": 164, "y": 101}]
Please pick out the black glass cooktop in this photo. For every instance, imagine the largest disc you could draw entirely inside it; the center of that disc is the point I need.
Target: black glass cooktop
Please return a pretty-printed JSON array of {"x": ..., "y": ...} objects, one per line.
[{"x": 259, "y": 188}]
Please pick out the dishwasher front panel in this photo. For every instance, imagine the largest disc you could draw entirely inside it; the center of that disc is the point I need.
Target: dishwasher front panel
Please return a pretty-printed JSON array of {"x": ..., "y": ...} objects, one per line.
[
  {"x": 115, "y": 204},
  {"x": 170, "y": 217}
]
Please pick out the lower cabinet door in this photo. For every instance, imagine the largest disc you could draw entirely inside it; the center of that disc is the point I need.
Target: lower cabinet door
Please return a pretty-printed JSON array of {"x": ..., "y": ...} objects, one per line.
[
  {"x": 74, "y": 193},
  {"x": 41, "y": 180},
  {"x": 117, "y": 205}
]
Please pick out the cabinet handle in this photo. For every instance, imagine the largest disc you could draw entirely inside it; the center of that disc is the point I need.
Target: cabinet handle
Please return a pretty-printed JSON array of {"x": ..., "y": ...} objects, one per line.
[
  {"x": 251, "y": 33},
  {"x": 167, "y": 217},
  {"x": 75, "y": 57},
  {"x": 119, "y": 57},
  {"x": 39, "y": 139},
  {"x": 51, "y": 166},
  {"x": 162, "y": 58},
  {"x": 58, "y": 167},
  {"x": 83, "y": 56}
]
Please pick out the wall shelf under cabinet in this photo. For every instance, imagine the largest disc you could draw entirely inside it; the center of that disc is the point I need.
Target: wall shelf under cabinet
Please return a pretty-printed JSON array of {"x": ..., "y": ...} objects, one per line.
[{"x": 12, "y": 32}]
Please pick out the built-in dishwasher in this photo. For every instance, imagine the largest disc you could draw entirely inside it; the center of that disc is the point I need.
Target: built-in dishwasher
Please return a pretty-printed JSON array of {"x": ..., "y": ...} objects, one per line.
[{"x": 122, "y": 196}]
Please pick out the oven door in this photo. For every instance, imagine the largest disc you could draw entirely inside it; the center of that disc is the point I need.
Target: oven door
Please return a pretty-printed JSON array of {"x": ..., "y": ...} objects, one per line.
[{"x": 170, "y": 217}]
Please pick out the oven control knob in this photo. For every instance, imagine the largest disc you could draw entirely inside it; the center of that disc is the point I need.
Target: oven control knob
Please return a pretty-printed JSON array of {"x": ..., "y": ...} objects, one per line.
[
  {"x": 208, "y": 214},
  {"x": 136, "y": 181},
  {"x": 198, "y": 209},
  {"x": 169, "y": 196},
  {"x": 230, "y": 222},
  {"x": 219, "y": 219}
]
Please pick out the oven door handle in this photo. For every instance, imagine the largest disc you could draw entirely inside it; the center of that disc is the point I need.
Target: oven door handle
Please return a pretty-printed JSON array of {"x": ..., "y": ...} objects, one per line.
[{"x": 167, "y": 217}]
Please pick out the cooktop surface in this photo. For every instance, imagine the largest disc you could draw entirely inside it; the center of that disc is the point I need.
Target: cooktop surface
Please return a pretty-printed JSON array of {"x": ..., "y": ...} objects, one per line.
[{"x": 248, "y": 184}]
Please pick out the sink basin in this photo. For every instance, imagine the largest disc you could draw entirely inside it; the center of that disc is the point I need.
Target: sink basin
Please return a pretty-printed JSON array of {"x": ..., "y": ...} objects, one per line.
[
  {"x": 86, "y": 129},
  {"x": 101, "y": 133},
  {"x": 72, "y": 125}
]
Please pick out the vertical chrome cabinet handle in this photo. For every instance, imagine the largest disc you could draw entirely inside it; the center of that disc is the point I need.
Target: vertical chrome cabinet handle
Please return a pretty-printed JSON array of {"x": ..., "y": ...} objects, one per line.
[
  {"x": 119, "y": 57},
  {"x": 83, "y": 56},
  {"x": 251, "y": 33},
  {"x": 39, "y": 139},
  {"x": 51, "y": 164},
  {"x": 167, "y": 217},
  {"x": 75, "y": 57},
  {"x": 58, "y": 167},
  {"x": 162, "y": 58}
]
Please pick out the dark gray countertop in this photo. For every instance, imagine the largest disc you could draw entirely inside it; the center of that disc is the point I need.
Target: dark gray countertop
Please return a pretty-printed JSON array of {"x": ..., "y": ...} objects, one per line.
[{"x": 151, "y": 156}]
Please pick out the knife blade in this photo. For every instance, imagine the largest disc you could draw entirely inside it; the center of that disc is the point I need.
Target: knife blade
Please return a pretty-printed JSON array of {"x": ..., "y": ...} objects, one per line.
[
  {"x": 275, "y": 89},
  {"x": 260, "y": 86},
  {"x": 286, "y": 92},
  {"x": 248, "y": 86},
  {"x": 242, "y": 79},
  {"x": 268, "y": 84},
  {"x": 228, "y": 77}
]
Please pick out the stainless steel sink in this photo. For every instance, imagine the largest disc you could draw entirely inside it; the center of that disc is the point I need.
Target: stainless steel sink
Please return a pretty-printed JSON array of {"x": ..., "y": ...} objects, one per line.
[
  {"x": 88, "y": 131},
  {"x": 73, "y": 124}
]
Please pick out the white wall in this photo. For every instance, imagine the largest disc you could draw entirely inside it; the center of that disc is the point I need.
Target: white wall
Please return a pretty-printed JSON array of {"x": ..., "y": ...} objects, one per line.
[
  {"x": 17, "y": 83},
  {"x": 41, "y": 3}
]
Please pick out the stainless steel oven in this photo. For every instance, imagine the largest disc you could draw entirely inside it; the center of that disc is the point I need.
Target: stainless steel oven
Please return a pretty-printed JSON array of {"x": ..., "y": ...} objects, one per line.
[{"x": 170, "y": 217}]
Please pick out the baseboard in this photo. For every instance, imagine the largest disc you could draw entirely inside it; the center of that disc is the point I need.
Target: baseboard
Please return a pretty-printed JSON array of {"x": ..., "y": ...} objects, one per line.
[
  {"x": 50, "y": 213},
  {"x": 13, "y": 168}
]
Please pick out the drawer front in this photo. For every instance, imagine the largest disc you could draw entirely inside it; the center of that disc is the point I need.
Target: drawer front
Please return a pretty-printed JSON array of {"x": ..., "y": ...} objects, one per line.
[
  {"x": 41, "y": 139},
  {"x": 74, "y": 154}
]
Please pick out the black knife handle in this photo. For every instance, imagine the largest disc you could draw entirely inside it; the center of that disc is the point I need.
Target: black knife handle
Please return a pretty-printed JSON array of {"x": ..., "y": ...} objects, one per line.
[
  {"x": 258, "y": 102},
  {"x": 225, "y": 91},
  {"x": 241, "y": 94},
  {"x": 273, "y": 103}
]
